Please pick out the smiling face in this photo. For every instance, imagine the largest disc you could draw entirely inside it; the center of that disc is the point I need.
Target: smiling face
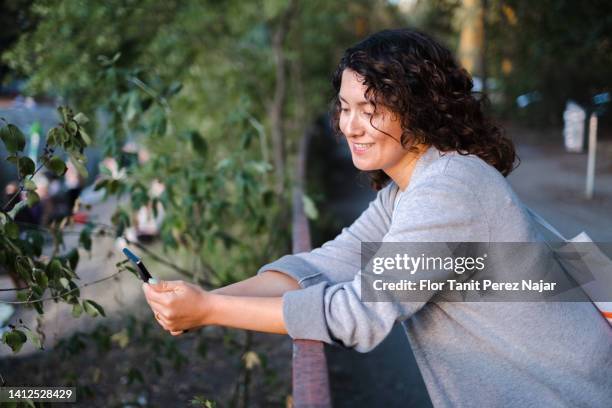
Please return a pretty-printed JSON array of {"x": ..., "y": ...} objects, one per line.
[{"x": 373, "y": 136}]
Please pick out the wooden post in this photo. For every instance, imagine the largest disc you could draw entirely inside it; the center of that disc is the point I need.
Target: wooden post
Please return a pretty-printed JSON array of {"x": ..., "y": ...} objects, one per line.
[{"x": 590, "y": 178}]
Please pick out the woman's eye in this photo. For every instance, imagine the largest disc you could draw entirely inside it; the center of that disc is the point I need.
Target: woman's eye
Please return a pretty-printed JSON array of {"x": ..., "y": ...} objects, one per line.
[
  {"x": 344, "y": 110},
  {"x": 368, "y": 113}
]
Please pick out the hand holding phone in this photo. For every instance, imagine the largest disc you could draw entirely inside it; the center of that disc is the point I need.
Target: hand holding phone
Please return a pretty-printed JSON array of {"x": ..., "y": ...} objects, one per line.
[
  {"x": 143, "y": 272},
  {"x": 141, "y": 268}
]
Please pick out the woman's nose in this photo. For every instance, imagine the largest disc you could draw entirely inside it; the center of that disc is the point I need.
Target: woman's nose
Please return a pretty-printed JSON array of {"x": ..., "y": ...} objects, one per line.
[{"x": 352, "y": 126}]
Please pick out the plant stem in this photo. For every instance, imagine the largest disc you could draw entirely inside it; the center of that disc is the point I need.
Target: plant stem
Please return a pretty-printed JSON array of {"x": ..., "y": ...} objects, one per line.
[
  {"x": 247, "y": 372},
  {"x": 22, "y": 186},
  {"x": 63, "y": 293}
]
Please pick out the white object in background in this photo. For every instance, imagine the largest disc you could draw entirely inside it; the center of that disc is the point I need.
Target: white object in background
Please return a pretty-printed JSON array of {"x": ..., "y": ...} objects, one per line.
[
  {"x": 598, "y": 264},
  {"x": 573, "y": 129},
  {"x": 590, "y": 179},
  {"x": 89, "y": 196},
  {"x": 6, "y": 311}
]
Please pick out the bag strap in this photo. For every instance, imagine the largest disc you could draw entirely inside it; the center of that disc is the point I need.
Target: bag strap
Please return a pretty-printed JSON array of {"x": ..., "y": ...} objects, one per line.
[{"x": 545, "y": 224}]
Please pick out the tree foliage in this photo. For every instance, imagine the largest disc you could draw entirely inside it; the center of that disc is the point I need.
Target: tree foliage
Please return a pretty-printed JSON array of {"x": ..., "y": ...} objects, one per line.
[
  {"x": 208, "y": 90},
  {"x": 561, "y": 49},
  {"x": 46, "y": 273}
]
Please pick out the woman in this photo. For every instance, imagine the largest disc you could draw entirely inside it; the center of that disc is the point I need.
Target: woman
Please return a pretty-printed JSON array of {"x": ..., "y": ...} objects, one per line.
[{"x": 408, "y": 114}]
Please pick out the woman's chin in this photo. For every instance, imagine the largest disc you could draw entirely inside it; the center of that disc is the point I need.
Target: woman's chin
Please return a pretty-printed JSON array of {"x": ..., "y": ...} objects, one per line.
[{"x": 363, "y": 165}]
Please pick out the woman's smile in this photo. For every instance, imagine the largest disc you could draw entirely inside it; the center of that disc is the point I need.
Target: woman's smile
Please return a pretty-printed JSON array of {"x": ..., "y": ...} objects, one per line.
[{"x": 361, "y": 148}]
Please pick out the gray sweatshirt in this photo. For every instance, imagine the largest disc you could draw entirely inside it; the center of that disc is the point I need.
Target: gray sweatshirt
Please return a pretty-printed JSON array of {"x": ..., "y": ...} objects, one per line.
[{"x": 471, "y": 354}]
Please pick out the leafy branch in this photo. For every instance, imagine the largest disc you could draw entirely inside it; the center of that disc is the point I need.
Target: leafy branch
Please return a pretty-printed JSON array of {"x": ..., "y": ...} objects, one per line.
[{"x": 21, "y": 250}]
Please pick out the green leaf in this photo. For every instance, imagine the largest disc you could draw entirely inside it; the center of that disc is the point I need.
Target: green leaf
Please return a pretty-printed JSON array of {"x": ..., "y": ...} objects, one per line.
[
  {"x": 54, "y": 269},
  {"x": 13, "y": 138},
  {"x": 65, "y": 283},
  {"x": 34, "y": 338},
  {"x": 85, "y": 136},
  {"x": 14, "y": 339},
  {"x": 57, "y": 136},
  {"x": 56, "y": 165},
  {"x": 309, "y": 207},
  {"x": 105, "y": 171},
  {"x": 80, "y": 166},
  {"x": 92, "y": 308},
  {"x": 107, "y": 62},
  {"x": 26, "y": 166},
  {"x": 246, "y": 139},
  {"x": 81, "y": 119},
  {"x": 132, "y": 106},
  {"x": 122, "y": 338},
  {"x": 202, "y": 347},
  {"x": 29, "y": 185},
  {"x": 267, "y": 197},
  {"x": 32, "y": 198},
  {"x": 23, "y": 268},
  {"x": 69, "y": 272},
  {"x": 114, "y": 186},
  {"x": 202, "y": 402},
  {"x": 73, "y": 258},
  {"x": 11, "y": 230},
  {"x": 41, "y": 278},
  {"x": 224, "y": 164},
  {"x": 18, "y": 207},
  {"x": 85, "y": 238},
  {"x": 65, "y": 113},
  {"x": 51, "y": 137},
  {"x": 198, "y": 142},
  {"x": 77, "y": 310},
  {"x": 36, "y": 240},
  {"x": 100, "y": 184},
  {"x": 174, "y": 88},
  {"x": 158, "y": 124},
  {"x": 63, "y": 135},
  {"x": 14, "y": 159},
  {"x": 260, "y": 166},
  {"x": 133, "y": 375},
  {"x": 72, "y": 127}
]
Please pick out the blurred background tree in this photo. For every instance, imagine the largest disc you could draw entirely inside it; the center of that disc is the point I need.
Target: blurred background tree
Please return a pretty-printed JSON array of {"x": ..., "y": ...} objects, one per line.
[
  {"x": 556, "y": 49},
  {"x": 248, "y": 77},
  {"x": 208, "y": 99},
  {"x": 562, "y": 49}
]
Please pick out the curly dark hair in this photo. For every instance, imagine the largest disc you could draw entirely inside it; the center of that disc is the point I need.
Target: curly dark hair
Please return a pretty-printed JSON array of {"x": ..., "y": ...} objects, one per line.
[{"x": 414, "y": 76}]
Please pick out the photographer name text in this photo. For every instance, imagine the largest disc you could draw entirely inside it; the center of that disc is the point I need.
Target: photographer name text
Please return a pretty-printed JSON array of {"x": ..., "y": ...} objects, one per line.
[{"x": 473, "y": 285}]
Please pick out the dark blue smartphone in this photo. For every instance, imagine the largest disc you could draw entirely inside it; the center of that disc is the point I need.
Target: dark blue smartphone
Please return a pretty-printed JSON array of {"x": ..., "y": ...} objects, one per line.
[{"x": 140, "y": 267}]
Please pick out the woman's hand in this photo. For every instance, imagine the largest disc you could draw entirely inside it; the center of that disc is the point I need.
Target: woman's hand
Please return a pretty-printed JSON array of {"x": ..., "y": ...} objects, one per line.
[{"x": 178, "y": 305}]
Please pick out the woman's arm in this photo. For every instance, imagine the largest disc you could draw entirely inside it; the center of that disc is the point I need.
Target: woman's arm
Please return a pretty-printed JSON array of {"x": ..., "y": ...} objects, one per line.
[
  {"x": 264, "y": 314},
  {"x": 266, "y": 284},
  {"x": 178, "y": 306},
  {"x": 338, "y": 260}
]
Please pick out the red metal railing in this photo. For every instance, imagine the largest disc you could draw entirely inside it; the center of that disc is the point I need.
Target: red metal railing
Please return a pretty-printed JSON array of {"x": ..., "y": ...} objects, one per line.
[{"x": 310, "y": 377}]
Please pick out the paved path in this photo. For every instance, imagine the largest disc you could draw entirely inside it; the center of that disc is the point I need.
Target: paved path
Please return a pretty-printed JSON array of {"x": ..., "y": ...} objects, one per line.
[{"x": 552, "y": 182}]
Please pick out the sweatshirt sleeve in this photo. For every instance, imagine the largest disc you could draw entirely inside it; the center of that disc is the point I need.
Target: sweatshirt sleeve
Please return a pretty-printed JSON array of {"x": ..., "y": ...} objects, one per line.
[
  {"x": 338, "y": 260},
  {"x": 441, "y": 210}
]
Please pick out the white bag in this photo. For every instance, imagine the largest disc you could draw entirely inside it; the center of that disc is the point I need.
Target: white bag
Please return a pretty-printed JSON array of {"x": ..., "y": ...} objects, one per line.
[{"x": 599, "y": 287}]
